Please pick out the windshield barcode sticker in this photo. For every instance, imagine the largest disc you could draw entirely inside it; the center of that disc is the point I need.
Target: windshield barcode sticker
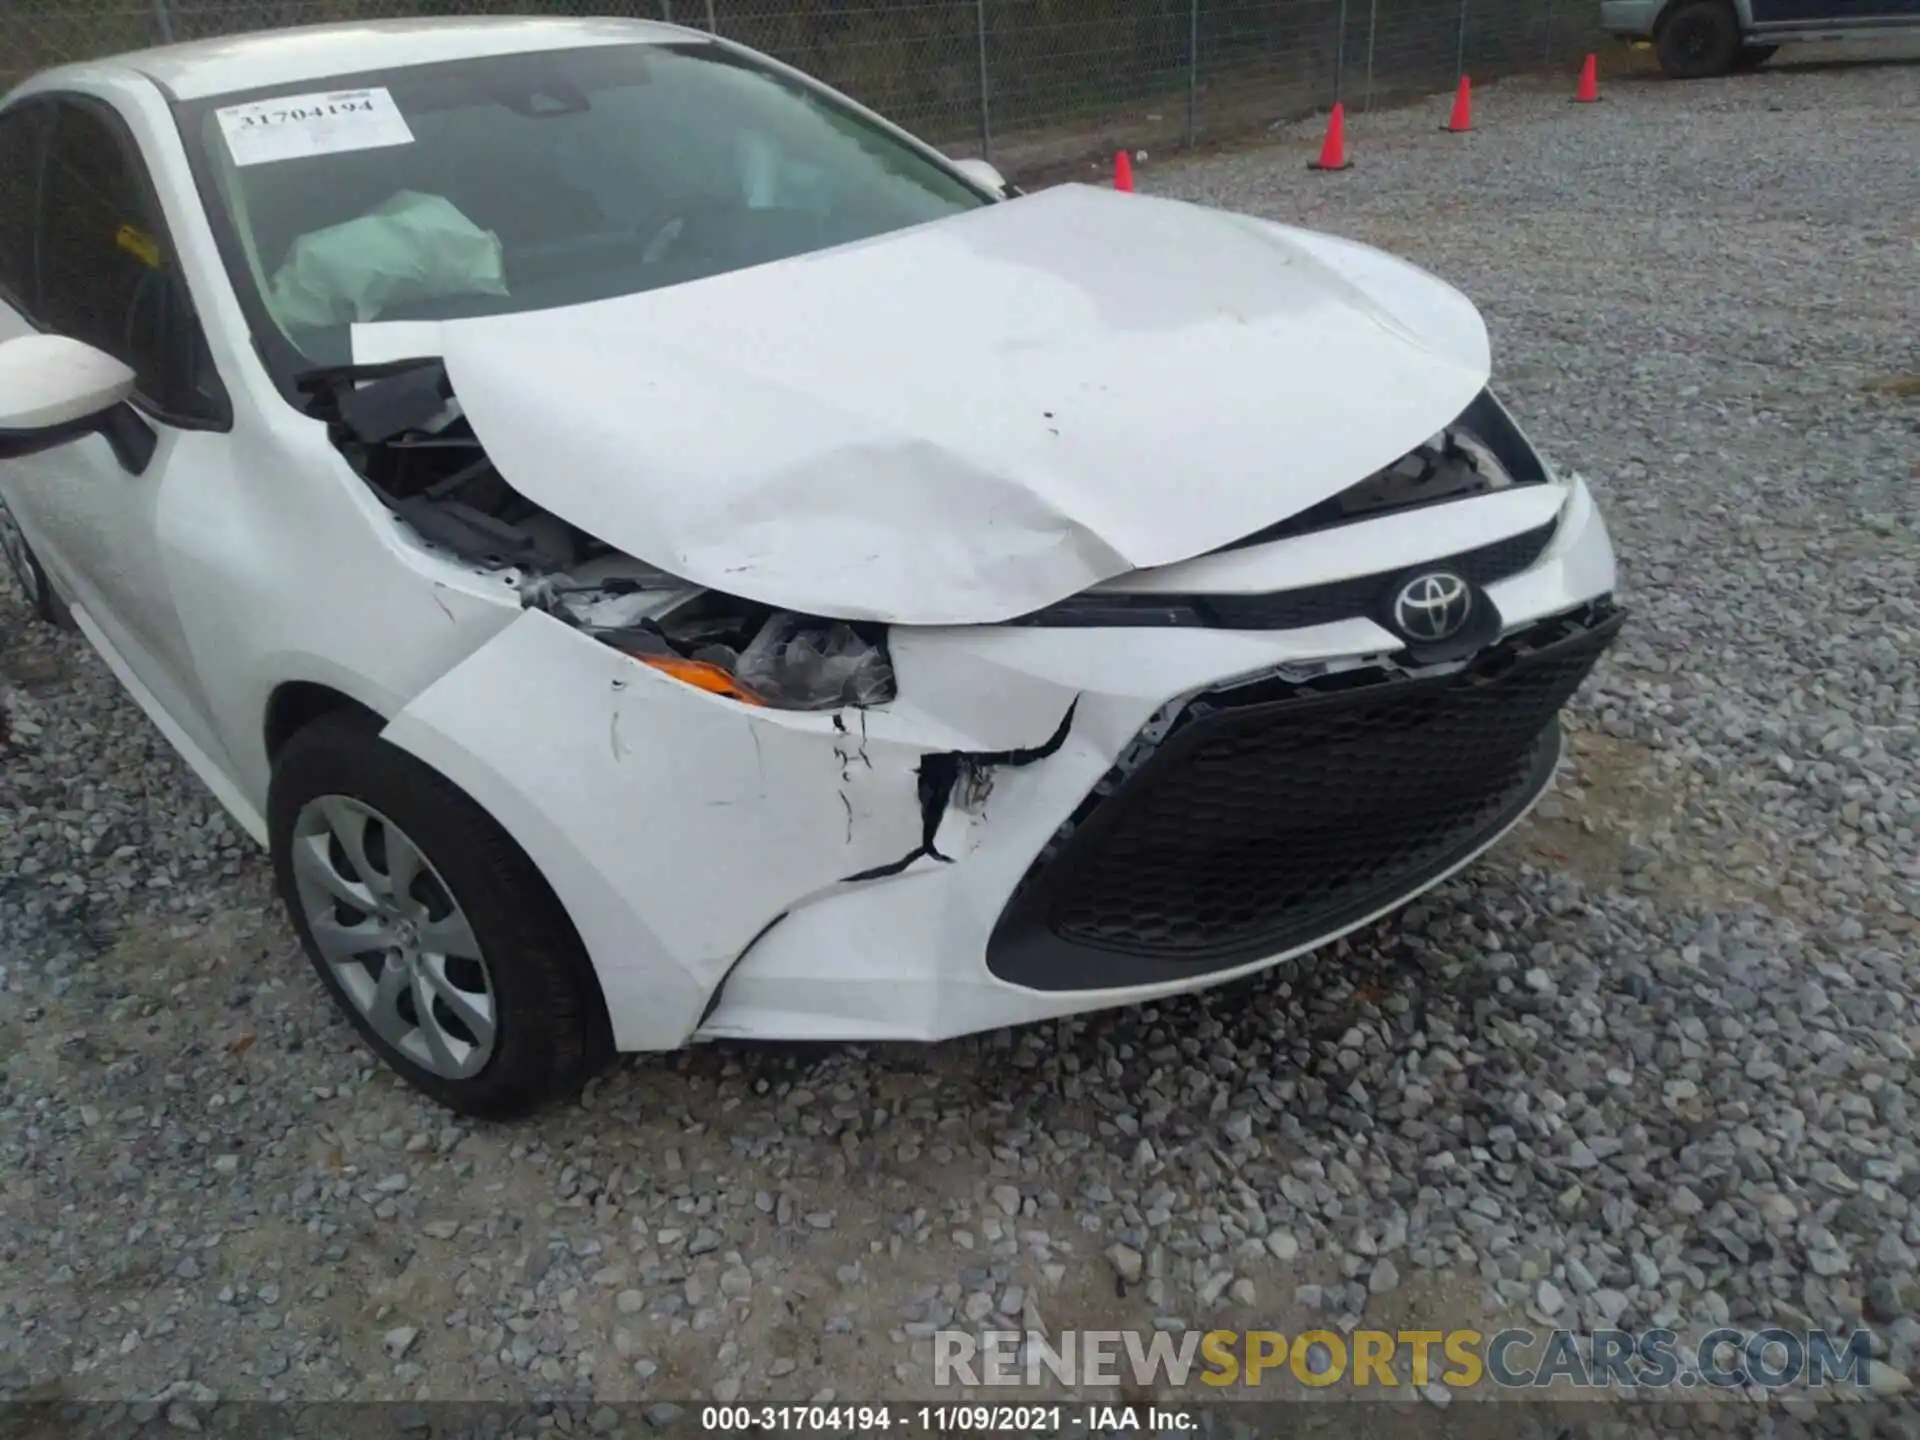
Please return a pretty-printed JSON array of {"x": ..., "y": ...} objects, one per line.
[{"x": 296, "y": 126}]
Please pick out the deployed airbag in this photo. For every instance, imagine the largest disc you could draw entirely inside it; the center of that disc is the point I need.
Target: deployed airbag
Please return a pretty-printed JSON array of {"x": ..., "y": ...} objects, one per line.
[{"x": 411, "y": 247}]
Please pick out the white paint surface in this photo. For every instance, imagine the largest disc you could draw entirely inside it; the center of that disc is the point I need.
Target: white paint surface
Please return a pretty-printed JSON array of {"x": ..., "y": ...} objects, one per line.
[
  {"x": 968, "y": 420},
  {"x": 47, "y": 381}
]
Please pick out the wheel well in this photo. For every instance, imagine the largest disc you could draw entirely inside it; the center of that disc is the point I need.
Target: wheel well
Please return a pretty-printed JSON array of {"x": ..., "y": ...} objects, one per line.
[{"x": 298, "y": 703}]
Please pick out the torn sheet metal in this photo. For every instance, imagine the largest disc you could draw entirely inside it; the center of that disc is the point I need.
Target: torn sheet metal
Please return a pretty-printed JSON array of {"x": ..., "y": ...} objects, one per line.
[{"x": 1117, "y": 383}]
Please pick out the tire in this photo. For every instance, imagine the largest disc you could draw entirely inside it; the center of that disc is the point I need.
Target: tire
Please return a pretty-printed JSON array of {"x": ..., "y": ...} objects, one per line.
[
  {"x": 1752, "y": 57},
  {"x": 528, "y": 975},
  {"x": 1698, "y": 39},
  {"x": 25, "y": 568}
]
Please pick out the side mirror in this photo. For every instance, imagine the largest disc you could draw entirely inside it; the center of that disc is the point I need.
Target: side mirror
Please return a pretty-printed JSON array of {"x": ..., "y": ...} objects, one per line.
[
  {"x": 54, "y": 391},
  {"x": 983, "y": 175}
]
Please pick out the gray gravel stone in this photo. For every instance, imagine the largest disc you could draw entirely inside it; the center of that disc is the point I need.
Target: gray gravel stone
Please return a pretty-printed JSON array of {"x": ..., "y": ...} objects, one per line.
[
  {"x": 1884, "y": 1300},
  {"x": 399, "y": 1340}
]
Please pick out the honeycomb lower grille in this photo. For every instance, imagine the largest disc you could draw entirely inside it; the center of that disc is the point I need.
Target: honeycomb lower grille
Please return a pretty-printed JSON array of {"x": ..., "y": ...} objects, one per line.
[{"x": 1276, "y": 814}]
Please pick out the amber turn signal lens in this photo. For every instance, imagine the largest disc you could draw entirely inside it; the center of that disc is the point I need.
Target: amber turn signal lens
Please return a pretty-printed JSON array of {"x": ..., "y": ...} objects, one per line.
[{"x": 702, "y": 676}]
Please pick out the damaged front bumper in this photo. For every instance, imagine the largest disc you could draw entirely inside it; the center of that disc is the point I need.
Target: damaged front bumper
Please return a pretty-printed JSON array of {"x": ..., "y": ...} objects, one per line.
[{"x": 960, "y": 857}]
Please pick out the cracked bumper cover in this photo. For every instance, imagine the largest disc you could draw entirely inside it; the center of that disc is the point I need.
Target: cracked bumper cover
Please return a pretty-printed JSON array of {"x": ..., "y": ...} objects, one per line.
[{"x": 844, "y": 874}]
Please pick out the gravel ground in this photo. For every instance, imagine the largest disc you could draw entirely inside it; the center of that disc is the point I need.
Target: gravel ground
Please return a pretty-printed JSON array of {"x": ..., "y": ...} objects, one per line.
[{"x": 1651, "y": 1061}]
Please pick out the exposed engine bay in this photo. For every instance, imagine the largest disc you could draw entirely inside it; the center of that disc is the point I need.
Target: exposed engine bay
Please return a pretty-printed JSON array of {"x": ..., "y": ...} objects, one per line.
[{"x": 403, "y": 430}]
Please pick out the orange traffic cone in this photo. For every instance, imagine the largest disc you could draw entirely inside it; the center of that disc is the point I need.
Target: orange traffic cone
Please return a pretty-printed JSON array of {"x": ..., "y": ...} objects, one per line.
[
  {"x": 1589, "y": 89},
  {"x": 1333, "y": 154},
  {"x": 1123, "y": 171},
  {"x": 1462, "y": 119}
]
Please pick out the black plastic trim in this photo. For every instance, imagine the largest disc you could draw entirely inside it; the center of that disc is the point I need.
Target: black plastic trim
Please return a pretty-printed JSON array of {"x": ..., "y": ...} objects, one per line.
[
  {"x": 125, "y": 430},
  {"x": 1363, "y": 595}
]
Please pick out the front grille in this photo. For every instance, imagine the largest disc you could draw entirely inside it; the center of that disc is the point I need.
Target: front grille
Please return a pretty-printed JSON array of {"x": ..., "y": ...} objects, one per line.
[
  {"x": 1297, "y": 609},
  {"x": 1275, "y": 814},
  {"x": 1345, "y": 599}
]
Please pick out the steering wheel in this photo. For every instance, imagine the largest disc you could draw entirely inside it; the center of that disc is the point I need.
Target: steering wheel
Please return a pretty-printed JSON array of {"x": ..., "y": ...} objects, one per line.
[
  {"x": 663, "y": 241},
  {"x": 715, "y": 222}
]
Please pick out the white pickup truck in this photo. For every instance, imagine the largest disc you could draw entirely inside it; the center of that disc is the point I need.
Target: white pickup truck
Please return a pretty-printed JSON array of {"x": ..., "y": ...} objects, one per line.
[{"x": 1697, "y": 38}]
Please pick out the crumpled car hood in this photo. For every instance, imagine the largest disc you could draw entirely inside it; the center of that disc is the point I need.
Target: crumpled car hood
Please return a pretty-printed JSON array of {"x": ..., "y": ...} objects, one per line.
[{"x": 972, "y": 419}]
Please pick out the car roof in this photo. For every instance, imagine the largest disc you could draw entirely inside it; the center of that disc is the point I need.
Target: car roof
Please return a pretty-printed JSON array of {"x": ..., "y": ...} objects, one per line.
[{"x": 199, "y": 69}]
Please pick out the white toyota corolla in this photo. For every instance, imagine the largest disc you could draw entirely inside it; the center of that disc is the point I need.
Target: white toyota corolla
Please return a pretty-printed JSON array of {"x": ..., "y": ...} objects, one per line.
[{"x": 658, "y": 553}]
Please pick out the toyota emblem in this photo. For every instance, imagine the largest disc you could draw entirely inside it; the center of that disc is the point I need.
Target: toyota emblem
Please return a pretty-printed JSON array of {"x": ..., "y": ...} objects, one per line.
[{"x": 1433, "y": 607}]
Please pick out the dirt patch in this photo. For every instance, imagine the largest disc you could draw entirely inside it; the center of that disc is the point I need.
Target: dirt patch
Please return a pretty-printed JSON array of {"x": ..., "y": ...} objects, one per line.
[
  {"x": 34, "y": 668},
  {"x": 1617, "y": 820},
  {"x": 1904, "y": 387},
  {"x": 1609, "y": 799}
]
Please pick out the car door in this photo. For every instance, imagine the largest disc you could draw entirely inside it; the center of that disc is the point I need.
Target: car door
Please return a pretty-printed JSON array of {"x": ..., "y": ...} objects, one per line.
[{"x": 103, "y": 272}]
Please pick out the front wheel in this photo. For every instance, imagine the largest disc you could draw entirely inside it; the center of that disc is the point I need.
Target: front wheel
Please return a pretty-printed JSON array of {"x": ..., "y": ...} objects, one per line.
[
  {"x": 1698, "y": 39},
  {"x": 430, "y": 928},
  {"x": 25, "y": 568}
]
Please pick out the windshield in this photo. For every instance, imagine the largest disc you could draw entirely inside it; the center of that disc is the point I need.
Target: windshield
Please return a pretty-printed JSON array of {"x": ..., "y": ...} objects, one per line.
[{"x": 521, "y": 182}]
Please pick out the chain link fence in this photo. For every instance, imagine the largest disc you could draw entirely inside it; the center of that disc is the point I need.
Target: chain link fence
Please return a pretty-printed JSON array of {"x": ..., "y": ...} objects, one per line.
[{"x": 1019, "y": 80}]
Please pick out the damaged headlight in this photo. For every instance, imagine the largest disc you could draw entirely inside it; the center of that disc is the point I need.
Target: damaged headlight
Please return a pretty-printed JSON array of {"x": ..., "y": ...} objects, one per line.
[
  {"x": 745, "y": 652},
  {"x": 798, "y": 663}
]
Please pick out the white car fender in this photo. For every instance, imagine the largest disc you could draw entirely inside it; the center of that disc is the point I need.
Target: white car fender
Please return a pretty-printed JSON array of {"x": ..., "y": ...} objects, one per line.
[{"x": 564, "y": 741}]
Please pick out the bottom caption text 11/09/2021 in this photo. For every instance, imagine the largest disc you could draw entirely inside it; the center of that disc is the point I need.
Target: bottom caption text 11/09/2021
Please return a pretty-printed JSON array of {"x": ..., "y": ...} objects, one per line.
[{"x": 963, "y": 1419}]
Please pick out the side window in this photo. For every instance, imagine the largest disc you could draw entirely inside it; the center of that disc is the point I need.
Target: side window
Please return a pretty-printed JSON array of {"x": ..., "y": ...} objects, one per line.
[
  {"x": 20, "y": 130},
  {"x": 108, "y": 275}
]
